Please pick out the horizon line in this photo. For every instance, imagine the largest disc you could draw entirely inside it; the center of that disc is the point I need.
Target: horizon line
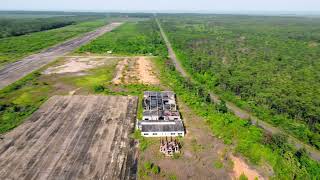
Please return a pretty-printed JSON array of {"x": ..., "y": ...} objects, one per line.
[{"x": 169, "y": 11}]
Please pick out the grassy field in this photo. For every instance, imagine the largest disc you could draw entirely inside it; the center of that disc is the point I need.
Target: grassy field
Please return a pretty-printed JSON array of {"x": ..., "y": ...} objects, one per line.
[
  {"x": 15, "y": 48},
  {"x": 267, "y": 65},
  {"x": 133, "y": 38}
]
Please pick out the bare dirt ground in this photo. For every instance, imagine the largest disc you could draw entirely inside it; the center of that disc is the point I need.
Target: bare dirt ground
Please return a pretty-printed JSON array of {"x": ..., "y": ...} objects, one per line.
[
  {"x": 78, "y": 64},
  {"x": 135, "y": 70},
  {"x": 14, "y": 71},
  {"x": 240, "y": 167},
  {"x": 313, "y": 44},
  {"x": 73, "y": 137},
  {"x": 200, "y": 151}
]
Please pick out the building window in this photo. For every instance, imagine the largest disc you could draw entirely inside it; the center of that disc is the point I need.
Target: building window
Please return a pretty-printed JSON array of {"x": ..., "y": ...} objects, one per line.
[
  {"x": 154, "y": 134},
  {"x": 145, "y": 134},
  {"x": 173, "y": 133},
  {"x": 147, "y": 119},
  {"x": 180, "y": 134}
]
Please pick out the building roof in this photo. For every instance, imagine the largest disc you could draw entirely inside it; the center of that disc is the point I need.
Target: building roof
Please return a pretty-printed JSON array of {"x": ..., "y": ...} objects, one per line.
[
  {"x": 178, "y": 126},
  {"x": 152, "y": 113}
]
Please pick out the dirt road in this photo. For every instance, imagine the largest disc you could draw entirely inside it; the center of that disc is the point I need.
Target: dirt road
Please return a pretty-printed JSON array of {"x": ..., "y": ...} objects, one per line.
[
  {"x": 314, "y": 153},
  {"x": 73, "y": 137},
  {"x": 172, "y": 55},
  {"x": 15, "y": 71}
]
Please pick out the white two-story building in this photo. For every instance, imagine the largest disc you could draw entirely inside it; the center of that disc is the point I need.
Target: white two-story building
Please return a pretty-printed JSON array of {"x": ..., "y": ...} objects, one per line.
[{"x": 160, "y": 115}]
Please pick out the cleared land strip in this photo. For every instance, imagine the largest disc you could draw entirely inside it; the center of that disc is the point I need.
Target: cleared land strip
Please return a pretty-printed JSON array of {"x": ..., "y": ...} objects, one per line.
[
  {"x": 314, "y": 153},
  {"x": 15, "y": 71},
  {"x": 73, "y": 137}
]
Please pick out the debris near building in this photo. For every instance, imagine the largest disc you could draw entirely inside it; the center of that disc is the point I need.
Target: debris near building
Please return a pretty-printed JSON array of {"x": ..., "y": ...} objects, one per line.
[
  {"x": 161, "y": 117},
  {"x": 169, "y": 147}
]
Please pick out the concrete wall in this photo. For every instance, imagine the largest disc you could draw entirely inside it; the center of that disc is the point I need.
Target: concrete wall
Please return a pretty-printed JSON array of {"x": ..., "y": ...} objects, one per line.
[{"x": 162, "y": 134}]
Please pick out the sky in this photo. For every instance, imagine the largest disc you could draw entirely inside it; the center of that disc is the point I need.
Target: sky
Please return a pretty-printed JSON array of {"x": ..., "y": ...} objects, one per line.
[{"x": 164, "y": 5}]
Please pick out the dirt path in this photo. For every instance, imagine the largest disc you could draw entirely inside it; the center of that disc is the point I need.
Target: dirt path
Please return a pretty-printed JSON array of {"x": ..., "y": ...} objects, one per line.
[
  {"x": 172, "y": 55},
  {"x": 15, "y": 71},
  {"x": 133, "y": 70},
  {"x": 73, "y": 137},
  {"x": 314, "y": 153}
]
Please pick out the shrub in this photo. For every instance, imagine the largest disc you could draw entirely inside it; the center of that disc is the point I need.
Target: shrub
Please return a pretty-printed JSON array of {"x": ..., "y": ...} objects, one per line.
[
  {"x": 98, "y": 88},
  {"x": 243, "y": 177},
  {"x": 222, "y": 107},
  {"x": 217, "y": 164},
  {"x": 176, "y": 155},
  {"x": 148, "y": 165},
  {"x": 155, "y": 169}
]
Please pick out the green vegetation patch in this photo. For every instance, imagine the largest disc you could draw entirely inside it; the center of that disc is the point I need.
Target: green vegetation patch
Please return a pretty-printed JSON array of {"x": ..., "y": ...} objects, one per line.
[
  {"x": 144, "y": 143},
  {"x": 19, "y": 100},
  {"x": 218, "y": 164},
  {"x": 133, "y": 38}
]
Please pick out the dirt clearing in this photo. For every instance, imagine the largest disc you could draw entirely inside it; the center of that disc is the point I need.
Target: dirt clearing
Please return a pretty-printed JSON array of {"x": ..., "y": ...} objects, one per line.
[
  {"x": 135, "y": 70},
  {"x": 73, "y": 137},
  {"x": 240, "y": 167},
  {"x": 78, "y": 64}
]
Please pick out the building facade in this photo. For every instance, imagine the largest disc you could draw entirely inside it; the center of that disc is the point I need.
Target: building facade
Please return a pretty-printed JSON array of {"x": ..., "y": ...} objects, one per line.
[{"x": 161, "y": 117}]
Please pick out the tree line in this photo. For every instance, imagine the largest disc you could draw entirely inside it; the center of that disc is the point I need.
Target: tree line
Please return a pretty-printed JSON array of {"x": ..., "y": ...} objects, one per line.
[
  {"x": 21, "y": 26},
  {"x": 268, "y": 65}
]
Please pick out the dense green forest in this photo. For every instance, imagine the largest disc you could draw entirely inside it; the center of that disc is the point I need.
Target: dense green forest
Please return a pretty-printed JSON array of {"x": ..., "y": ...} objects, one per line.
[
  {"x": 131, "y": 38},
  {"x": 268, "y": 65},
  {"x": 10, "y": 26}
]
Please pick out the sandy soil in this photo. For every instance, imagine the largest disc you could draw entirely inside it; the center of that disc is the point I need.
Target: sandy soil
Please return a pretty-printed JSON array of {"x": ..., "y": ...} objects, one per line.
[
  {"x": 135, "y": 70},
  {"x": 145, "y": 71},
  {"x": 120, "y": 74},
  {"x": 240, "y": 167},
  {"x": 313, "y": 44},
  {"x": 77, "y": 64},
  {"x": 73, "y": 137},
  {"x": 71, "y": 93},
  {"x": 14, "y": 71}
]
